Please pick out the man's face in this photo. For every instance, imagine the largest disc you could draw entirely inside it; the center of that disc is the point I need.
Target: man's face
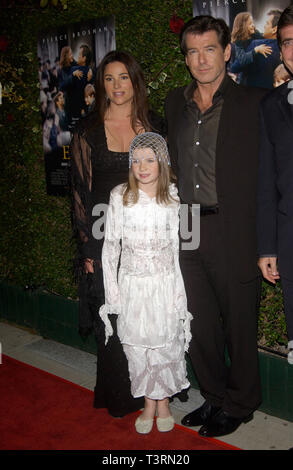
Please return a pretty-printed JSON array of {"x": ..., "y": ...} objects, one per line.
[
  {"x": 286, "y": 35},
  {"x": 206, "y": 58},
  {"x": 81, "y": 60},
  {"x": 269, "y": 31}
]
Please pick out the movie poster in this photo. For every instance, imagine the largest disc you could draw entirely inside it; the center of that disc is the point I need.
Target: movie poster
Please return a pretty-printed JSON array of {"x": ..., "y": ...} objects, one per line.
[
  {"x": 255, "y": 55},
  {"x": 68, "y": 59}
]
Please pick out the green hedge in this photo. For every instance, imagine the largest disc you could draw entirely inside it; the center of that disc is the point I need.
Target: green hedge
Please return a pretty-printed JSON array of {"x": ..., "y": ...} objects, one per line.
[{"x": 36, "y": 248}]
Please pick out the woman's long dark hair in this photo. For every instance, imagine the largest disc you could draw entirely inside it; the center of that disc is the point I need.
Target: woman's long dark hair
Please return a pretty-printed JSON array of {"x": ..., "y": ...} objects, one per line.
[{"x": 139, "y": 114}]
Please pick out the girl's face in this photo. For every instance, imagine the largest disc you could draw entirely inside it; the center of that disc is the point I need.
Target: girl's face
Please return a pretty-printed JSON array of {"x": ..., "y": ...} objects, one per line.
[
  {"x": 145, "y": 168},
  {"x": 60, "y": 101},
  {"x": 250, "y": 26},
  {"x": 117, "y": 83},
  {"x": 89, "y": 99}
]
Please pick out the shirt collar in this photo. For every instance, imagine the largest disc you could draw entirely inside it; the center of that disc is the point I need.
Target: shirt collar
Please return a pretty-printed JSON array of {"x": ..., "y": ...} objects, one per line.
[{"x": 189, "y": 90}]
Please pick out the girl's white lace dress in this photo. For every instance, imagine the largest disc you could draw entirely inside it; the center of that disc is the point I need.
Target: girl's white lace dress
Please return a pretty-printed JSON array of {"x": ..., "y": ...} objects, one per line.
[{"x": 148, "y": 296}]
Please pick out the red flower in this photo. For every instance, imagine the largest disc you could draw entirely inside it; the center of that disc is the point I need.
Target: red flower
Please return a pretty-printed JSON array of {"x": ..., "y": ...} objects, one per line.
[
  {"x": 176, "y": 24},
  {"x": 9, "y": 117},
  {"x": 3, "y": 43}
]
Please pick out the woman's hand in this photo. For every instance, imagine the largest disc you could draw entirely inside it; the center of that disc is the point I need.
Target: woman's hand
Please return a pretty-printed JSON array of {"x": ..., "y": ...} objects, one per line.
[
  {"x": 263, "y": 49},
  {"x": 89, "y": 265}
]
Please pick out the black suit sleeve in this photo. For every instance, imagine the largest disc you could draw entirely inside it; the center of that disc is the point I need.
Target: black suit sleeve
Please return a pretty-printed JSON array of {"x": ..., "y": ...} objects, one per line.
[{"x": 267, "y": 195}]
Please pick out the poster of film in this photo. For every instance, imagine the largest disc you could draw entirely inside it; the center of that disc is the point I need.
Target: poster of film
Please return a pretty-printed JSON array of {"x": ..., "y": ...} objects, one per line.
[
  {"x": 68, "y": 59},
  {"x": 255, "y": 55}
]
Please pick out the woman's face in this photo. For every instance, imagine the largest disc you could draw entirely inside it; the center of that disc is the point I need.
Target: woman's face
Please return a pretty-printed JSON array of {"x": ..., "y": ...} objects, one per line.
[
  {"x": 117, "y": 83},
  {"x": 70, "y": 56},
  {"x": 250, "y": 26}
]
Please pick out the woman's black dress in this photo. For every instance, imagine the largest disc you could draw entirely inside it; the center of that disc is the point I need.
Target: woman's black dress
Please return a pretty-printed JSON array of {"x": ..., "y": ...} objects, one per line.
[{"x": 95, "y": 172}]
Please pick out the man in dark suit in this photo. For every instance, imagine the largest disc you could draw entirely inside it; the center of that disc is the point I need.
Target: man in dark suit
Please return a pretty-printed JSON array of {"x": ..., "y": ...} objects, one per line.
[
  {"x": 213, "y": 139},
  {"x": 275, "y": 189}
]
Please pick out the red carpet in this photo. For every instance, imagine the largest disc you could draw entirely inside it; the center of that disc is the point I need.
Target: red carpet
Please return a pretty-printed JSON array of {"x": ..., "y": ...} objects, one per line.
[{"x": 40, "y": 411}]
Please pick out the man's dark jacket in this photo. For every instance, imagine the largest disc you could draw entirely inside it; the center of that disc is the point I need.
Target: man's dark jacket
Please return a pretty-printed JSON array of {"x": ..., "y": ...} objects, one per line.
[
  {"x": 275, "y": 194},
  {"x": 236, "y": 170}
]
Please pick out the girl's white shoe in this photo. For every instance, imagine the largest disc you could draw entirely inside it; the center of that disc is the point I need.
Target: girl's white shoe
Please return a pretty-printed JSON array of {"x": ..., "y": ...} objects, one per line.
[
  {"x": 165, "y": 424},
  {"x": 143, "y": 426}
]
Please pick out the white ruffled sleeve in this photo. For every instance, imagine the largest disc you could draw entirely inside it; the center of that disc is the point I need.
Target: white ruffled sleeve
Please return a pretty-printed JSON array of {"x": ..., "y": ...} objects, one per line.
[
  {"x": 180, "y": 299},
  {"x": 110, "y": 259}
]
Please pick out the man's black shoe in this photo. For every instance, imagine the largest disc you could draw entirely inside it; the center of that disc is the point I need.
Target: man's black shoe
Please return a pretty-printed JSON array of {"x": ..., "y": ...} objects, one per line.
[
  {"x": 200, "y": 416},
  {"x": 221, "y": 424}
]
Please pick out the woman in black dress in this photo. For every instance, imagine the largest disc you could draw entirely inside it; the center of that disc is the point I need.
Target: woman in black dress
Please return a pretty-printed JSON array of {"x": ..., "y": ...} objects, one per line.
[{"x": 100, "y": 161}]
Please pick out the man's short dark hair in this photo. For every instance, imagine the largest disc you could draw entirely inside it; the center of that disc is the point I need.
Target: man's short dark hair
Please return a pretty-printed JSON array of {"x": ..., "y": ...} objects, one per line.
[
  {"x": 276, "y": 16},
  {"x": 286, "y": 19},
  {"x": 202, "y": 24}
]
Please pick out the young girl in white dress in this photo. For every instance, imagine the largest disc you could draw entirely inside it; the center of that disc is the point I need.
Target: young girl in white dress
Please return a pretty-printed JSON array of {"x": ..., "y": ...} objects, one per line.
[{"x": 148, "y": 293}]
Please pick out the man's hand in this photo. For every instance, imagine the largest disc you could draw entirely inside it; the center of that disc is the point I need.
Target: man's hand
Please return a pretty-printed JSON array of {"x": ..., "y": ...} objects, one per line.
[{"x": 268, "y": 267}]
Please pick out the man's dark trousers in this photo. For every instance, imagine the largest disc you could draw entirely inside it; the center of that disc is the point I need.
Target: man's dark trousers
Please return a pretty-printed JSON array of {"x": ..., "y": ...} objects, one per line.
[{"x": 225, "y": 314}]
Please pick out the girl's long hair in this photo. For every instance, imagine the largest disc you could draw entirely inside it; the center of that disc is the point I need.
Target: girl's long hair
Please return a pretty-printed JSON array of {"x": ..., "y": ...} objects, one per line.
[
  {"x": 163, "y": 196},
  {"x": 239, "y": 31},
  {"x": 139, "y": 114},
  {"x": 64, "y": 60}
]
